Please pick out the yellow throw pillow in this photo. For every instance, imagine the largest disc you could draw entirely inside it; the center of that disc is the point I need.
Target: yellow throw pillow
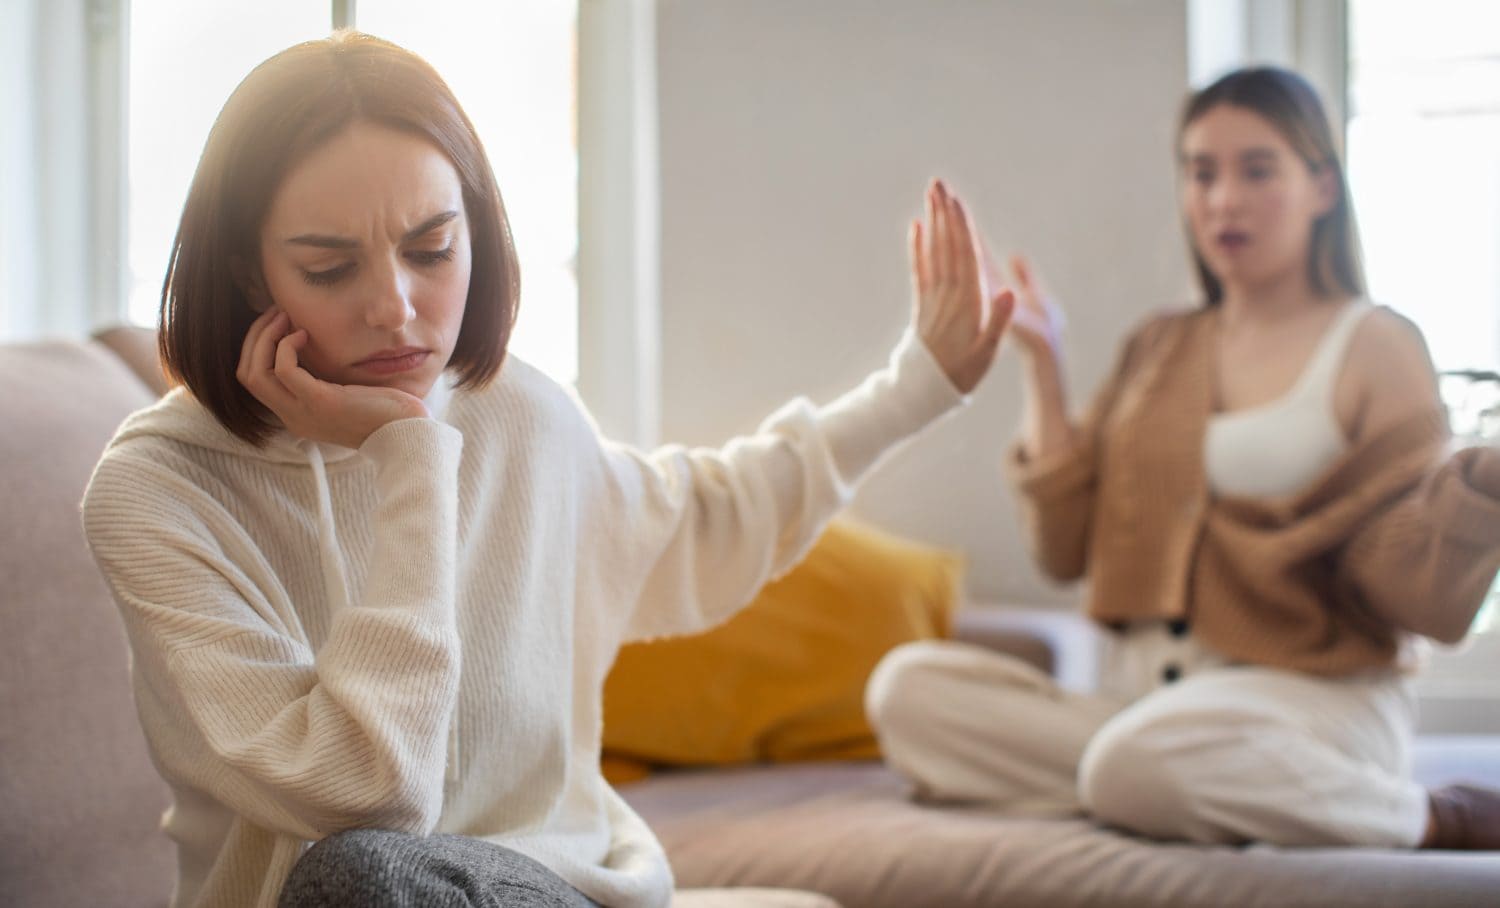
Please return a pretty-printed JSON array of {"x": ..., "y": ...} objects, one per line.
[{"x": 784, "y": 679}]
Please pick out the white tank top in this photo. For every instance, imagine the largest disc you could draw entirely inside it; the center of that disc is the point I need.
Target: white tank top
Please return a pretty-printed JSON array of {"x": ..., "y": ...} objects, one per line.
[{"x": 1280, "y": 447}]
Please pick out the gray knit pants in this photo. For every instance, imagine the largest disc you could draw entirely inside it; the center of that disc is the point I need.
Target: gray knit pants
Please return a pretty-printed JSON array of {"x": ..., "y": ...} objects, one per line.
[{"x": 372, "y": 868}]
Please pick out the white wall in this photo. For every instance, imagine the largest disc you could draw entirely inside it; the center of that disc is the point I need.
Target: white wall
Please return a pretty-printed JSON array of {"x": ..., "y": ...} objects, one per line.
[{"x": 795, "y": 140}]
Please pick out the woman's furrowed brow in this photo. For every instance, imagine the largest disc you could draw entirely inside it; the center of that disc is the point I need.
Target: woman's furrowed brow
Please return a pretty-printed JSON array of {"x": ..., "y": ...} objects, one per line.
[
  {"x": 431, "y": 223},
  {"x": 323, "y": 241}
]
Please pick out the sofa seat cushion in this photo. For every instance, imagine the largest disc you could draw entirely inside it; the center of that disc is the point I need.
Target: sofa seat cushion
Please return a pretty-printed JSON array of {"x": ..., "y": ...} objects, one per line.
[
  {"x": 749, "y": 898},
  {"x": 850, "y": 832}
]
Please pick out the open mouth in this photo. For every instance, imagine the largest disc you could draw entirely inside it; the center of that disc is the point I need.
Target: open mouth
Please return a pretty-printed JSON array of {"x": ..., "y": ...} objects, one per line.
[{"x": 1232, "y": 240}]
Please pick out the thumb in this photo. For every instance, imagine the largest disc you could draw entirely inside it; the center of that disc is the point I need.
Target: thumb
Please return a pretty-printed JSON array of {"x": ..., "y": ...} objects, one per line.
[{"x": 1020, "y": 266}]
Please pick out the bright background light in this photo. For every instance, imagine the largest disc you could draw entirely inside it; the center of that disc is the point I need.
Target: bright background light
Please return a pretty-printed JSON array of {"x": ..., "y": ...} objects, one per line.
[{"x": 1424, "y": 167}]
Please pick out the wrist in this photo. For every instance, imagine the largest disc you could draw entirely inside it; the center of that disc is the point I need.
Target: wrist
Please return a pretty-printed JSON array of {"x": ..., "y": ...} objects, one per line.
[
  {"x": 1043, "y": 359},
  {"x": 1044, "y": 372}
]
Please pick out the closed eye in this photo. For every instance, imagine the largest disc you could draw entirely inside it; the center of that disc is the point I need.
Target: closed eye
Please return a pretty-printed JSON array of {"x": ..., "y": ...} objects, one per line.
[
  {"x": 329, "y": 276},
  {"x": 431, "y": 256}
]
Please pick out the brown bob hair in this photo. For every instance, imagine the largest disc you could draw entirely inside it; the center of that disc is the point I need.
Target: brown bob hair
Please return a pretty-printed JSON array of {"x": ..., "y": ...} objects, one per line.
[
  {"x": 1291, "y": 105},
  {"x": 288, "y": 106}
]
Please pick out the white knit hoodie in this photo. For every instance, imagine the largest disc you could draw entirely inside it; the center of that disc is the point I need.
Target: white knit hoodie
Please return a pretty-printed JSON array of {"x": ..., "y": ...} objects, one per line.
[{"x": 414, "y": 635}]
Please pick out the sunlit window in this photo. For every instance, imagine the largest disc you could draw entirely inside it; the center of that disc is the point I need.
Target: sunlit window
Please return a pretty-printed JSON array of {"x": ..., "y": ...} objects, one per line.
[
  {"x": 511, "y": 64},
  {"x": 1424, "y": 167},
  {"x": 1424, "y": 170},
  {"x": 185, "y": 59}
]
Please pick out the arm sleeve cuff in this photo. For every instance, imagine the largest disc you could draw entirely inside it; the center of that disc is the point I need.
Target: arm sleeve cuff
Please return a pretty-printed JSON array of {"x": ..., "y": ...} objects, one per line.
[
  {"x": 894, "y": 403},
  {"x": 1469, "y": 503}
]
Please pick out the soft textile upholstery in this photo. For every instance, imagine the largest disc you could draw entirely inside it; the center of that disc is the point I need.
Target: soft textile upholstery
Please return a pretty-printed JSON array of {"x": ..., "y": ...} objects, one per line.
[
  {"x": 749, "y": 898},
  {"x": 79, "y": 799},
  {"x": 784, "y": 679},
  {"x": 851, "y": 832},
  {"x": 137, "y": 347}
]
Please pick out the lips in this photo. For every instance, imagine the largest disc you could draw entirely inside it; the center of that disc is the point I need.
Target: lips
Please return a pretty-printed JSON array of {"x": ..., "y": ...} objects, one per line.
[
  {"x": 395, "y": 359},
  {"x": 1232, "y": 240}
]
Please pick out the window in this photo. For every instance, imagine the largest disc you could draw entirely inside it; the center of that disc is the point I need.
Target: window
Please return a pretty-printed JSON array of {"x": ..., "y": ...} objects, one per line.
[
  {"x": 1424, "y": 167},
  {"x": 511, "y": 63},
  {"x": 185, "y": 60}
]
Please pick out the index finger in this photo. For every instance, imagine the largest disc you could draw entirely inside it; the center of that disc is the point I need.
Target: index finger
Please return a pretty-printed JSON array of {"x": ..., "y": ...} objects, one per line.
[
  {"x": 252, "y": 334},
  {"x": 963, "y": 245},
  {"x": 263, "y": 353}
]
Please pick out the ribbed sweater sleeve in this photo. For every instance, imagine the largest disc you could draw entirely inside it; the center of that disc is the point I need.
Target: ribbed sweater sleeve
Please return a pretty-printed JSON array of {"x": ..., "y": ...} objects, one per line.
[
  {"x": 709, "y": 527},
  {"x": 1427, "y": 562},
  {"x": 234, "y": 700}
]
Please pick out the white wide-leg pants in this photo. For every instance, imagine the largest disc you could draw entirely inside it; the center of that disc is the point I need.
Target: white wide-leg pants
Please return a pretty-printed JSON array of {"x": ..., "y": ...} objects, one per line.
[{"x": 1178, "y": 745}]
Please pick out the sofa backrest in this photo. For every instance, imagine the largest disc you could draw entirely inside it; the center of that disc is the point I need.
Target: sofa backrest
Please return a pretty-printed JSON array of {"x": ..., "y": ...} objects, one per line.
[{"x": 80, "y": 802}]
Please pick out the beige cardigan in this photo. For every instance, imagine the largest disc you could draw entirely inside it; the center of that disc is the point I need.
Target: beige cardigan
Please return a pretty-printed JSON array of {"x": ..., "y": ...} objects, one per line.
[{"x": 1323, "y": 581}]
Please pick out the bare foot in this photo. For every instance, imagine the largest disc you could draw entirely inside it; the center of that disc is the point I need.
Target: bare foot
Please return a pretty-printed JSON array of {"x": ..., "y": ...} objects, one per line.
[{"x": 1463, "y": 817}]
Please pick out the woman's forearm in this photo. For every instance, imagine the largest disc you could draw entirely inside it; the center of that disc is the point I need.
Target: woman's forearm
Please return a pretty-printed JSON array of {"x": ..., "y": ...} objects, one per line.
[{"x": 1046, "y": 429}]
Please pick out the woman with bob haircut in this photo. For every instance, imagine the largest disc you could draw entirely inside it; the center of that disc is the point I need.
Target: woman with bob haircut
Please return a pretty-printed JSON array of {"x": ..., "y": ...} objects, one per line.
[
  {"x": 1263, "y": 500},
  {"x": 374, "y": 571}
]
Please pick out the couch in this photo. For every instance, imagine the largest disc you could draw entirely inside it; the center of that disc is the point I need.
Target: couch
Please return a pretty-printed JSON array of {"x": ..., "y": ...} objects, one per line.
[{"x": 80, "y": 800}]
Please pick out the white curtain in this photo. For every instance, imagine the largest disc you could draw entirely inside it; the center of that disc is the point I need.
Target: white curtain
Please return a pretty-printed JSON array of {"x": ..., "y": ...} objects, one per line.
[{"x": 61, "y": 166}]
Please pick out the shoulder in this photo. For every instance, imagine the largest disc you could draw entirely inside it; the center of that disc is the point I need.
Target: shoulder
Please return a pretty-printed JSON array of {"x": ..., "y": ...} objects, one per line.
[
  {"x": 1388, "y": 355},
  {"x": 522, "y": 403},
  {"x": 1387, "y": 375},
  {"x": 141, "y": 494},
  {"x": 159, "y": 467},
  {"x": 1384, "y": 338},
  {"x": 153, "y": 475}
]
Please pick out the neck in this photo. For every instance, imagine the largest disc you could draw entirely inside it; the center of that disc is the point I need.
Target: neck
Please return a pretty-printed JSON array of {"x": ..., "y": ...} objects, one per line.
[{"x": 1285, "y": 296}]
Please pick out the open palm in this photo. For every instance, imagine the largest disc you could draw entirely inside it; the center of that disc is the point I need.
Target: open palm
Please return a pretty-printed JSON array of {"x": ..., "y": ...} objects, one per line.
[{"x": 959, "y": 320}]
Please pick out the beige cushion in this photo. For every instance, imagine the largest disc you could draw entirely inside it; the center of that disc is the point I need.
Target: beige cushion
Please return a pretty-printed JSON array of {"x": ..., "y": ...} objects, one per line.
[
  {"x": 750, "y": 897},
  {"x": 136, "y": 347},
  {"x": 79, "y": 798},
  {"x": 851, "y": 832}
]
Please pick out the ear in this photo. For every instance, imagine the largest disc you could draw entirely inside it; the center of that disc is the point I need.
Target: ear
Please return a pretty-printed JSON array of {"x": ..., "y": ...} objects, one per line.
[
  {"x": 1330, "y": 188},
  {"x": 251, "y": 283}
]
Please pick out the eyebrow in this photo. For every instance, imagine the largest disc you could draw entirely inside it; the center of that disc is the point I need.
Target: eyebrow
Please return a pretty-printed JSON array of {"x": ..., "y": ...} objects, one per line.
[
  {"x": 1250, "y": 156},
  {"x": 341, "y": 242}
]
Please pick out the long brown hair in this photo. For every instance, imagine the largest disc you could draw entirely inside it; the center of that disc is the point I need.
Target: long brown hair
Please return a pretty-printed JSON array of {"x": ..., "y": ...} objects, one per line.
[
  {"x": 1291, "y": 105},
  {"x": 288, "y": 106}
]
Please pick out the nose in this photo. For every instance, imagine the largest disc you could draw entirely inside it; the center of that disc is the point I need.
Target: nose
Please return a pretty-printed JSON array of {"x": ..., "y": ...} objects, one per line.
[
  {"x": 389, "y": 305},
  {"x": 1225, "y": 194}
]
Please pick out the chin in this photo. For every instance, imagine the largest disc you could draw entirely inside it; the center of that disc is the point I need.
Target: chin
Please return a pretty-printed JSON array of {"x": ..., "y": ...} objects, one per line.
[
  {"x": 416, "y": 386},
  {"x": 1227, "y": 272}
]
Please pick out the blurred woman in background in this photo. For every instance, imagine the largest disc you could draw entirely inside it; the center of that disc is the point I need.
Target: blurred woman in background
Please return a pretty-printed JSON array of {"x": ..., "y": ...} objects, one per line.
[{"x": 1263, "y": 501}]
